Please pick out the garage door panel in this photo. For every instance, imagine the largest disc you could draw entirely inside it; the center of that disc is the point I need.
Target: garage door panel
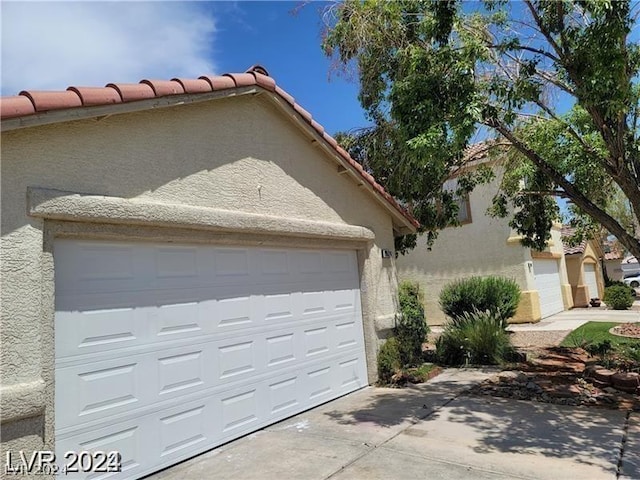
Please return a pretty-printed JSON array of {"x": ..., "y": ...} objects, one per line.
[
  {"x": 275, "y": 265},
  {"x": 78, "y": 333},
  {"x": 108, "y": 387},
  {"x": 204, "y": 345},
  {"x": 231, "y": 265},
  {"x": 95, "y": 265},
  {"x": 183, "y": 430},
  {"x": 590, "y": 279},
  {"x": 99, "y": 390},
  {"x": 548, "y": 284},
  {"x": 316, "y": 341},
  {"x": 126, "y": 439},
  {"x": 160, "y": 438},
  {"x": 285, "y": 394},
  {"x": 347, "y": 333},
  {"x": 182, "y": 372},
  {"x": 350, "y": 374}
]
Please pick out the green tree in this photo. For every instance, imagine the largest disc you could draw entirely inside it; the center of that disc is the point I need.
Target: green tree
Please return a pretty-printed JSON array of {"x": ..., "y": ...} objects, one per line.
[{"x": 555, "y": 81}]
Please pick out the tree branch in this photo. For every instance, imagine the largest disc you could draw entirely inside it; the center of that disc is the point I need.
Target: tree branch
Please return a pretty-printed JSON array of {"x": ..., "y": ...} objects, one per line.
[
  {"x": 529, "y": 49},
  {"x": 571, "y": 190}
]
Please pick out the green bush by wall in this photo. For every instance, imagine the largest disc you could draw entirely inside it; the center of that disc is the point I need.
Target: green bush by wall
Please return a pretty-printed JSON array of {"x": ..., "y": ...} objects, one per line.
[
  {"x": 618, "y": 297},
  {"x": 498, "y": 295}
]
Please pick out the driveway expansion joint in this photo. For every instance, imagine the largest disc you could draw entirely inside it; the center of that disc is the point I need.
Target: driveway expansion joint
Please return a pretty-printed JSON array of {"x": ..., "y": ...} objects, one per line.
[
  {"x": 623, "y": 441},
  {"x": 412, "y": 423}
]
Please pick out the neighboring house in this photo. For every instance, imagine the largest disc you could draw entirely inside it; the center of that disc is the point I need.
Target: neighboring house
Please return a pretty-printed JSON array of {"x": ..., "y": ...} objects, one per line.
[
  {"x": 483, "y": 246},
  {"x": 584, "y": 269},
  {"x": 613, "y": 266},
  {"x": 630, "y": 266},
  {"x": 183, "y": 262}
]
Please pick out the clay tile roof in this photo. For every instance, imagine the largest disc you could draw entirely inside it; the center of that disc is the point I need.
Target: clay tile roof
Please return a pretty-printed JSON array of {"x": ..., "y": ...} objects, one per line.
[
  {"x": 130, "y": 92},
  {"x": 191, "y": 85},
  {"x": 32, "y": 102},
  {"x": 162, "y": 88},
  {"x": 613, "y": 255},
  {"x": 43, "y": 101},
  {"x": 219, "y": 82},
  {"x": 19, "y": 106},
  {"x": 242, "y": 79},
  {"x": 480, "y": 150},
  {"x": 91, "y": 96},
  {"x": 287, "y": 98},
  {"x": 265, "y": 81},
  {"x": 568, "y": 232}
]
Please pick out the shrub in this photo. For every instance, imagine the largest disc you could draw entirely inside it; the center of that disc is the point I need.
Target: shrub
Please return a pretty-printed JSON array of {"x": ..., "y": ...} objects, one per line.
[
  {"x": 618, "y": 283},
  {"x": 497, "y": 295},
  {"x": 618, "y": 297},
  {"x": 411, "y": 328},
  {"x": 388, "y": 361},
  {"x": 474, "y": 338},
  {"x": 631, "y": 353},
  {"x": 602, "y": 348}
]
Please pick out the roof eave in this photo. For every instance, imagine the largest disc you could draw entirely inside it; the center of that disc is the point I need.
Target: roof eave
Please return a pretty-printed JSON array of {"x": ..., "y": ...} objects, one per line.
[
  {"x": 401, "y": 222},
  {"x": 102, "y": 111}
]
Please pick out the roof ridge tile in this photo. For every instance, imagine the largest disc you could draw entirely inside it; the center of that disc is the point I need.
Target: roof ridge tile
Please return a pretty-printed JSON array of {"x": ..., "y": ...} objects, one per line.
[
  {"x": 164, "y": 87},
  {"x": 52, "y": 100}
]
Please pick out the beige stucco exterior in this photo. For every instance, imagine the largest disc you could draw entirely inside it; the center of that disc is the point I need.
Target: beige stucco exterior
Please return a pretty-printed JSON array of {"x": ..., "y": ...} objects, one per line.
[
  {"x": 614, "y": 269},
  {"x": 486, "y": 246},
  {"x": 575, "y": 272},
  {"x": 235, "y": 170}
]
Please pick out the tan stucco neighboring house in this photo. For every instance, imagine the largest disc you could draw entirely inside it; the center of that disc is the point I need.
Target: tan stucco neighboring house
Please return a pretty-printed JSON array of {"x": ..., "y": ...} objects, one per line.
[
  {"x": 482, "y": 246},
  {"x": 584, "y": 269},
  {"x": 183, "y": 262}
]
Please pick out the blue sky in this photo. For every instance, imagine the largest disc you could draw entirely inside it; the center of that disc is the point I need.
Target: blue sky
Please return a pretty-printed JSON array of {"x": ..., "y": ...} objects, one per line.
[{"x": 51, "y": 45}]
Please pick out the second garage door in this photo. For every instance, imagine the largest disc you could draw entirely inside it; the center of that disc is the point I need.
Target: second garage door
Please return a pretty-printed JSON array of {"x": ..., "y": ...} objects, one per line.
[
  {"x": 548, "y": 285},
  {"x": 164, "y": 351},
  {"x": 590, "y": 280}
]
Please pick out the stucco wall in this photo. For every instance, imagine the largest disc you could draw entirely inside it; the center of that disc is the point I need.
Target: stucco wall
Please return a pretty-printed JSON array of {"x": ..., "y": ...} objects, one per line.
[
  {"x": 237, "y": 154},
  {"x": 614, "y": 270},
  {"x": 575, "y": 271},
  {"x": 486, "y": 246}
]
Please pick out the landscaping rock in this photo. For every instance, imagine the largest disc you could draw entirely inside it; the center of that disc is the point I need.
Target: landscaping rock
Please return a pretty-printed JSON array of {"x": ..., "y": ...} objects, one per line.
[
  {"x": 558, "y": 375},
  {"x": 627, "y": 382},
  {"x": 558, "y": 364},
  {"x": 603, "y": 375},
  {"x": 507, "y": 376}
]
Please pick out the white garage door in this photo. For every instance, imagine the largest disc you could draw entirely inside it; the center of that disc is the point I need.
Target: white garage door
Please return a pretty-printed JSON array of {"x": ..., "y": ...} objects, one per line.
[
  {"x": 590, "y": 280},
  {"x": 164, "y": 351},
  {"x": 548, "y": 286}
]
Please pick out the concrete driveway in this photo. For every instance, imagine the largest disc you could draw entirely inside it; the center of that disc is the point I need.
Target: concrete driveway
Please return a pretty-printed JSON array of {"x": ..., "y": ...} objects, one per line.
[{"x": 434, "y": 431}]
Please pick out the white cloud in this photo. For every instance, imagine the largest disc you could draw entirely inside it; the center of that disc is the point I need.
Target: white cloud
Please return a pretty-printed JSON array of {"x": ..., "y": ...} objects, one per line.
[{"x": 51, "y": 45}]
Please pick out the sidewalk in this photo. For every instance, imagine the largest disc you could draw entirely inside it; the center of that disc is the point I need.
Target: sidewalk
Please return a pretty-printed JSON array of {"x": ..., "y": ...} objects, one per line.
[{"x": 572, "y": 319}]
